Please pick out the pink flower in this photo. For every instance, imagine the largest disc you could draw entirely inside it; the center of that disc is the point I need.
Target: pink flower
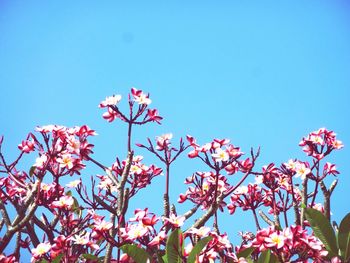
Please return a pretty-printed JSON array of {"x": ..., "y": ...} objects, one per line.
[
  {"x": 65, "y": 202},
  {"x": 40, "y": 161},
  {"x": 140, "y": 97},
  {"x": 163, "y": 141},
  {"x": 220, "y": 155},
  {"x": 65, "y": 161},
  {"x": 175, "y": 221},
  {"x": 40, "y": 250},
  {"x": 154, "y": 116},
  {"x": 301, "y": 170},
  {"x": 110, "y": 115},
  {"x": 26, "y": 146},
  {"x": 102, "y": 225},
  {"x": 330, "y": 169},
  {"x": 158, "y": 239},
  {"x": 275, "y": 240}
]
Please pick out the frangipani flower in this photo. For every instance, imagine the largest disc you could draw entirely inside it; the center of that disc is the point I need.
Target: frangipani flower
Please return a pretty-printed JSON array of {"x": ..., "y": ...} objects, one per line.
[
  {"x": 140, "y": 97},
  {"x": 110, "y": 101},
  {"x": 220, "y": 155},
  {"x": 40, "y": 250}
]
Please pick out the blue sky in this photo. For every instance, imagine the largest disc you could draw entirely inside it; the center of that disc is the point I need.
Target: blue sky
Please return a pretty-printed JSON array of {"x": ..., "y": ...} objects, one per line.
[{"x": 262, "y": 73}]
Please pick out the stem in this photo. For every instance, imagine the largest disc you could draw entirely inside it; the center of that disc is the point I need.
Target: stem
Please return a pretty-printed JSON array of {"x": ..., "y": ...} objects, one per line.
[
  {"x": 317, "y": 165},
  {"x": 166, "y": 194},
  {"x": 303, "y": 202},
  {"x": 265, "y": 218},
  {"x": 256, "y": 219},
  {"x": 295, "y": 205},
  {"x": 109, "y": 247},
  {"x": 129, "y": 136}
]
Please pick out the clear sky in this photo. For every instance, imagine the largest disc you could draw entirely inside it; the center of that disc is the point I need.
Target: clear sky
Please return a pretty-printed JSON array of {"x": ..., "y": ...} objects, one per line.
[{"x": 261, "y": 73}]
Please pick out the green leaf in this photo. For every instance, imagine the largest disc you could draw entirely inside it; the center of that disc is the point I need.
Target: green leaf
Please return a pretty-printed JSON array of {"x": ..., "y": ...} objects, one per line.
[
  {"x": 165, "y": 258},
  {"x": 264, "y": 257},
  {"x": 138, "y": 254},
  {"x": 160, "y": 258},
  {"x": 196, "y": 250},
  {"x": 173, "y": 249},
  {"x": 76, "y": 207},
  {"x": 31, "y": 171},
  {"x": 273, "y": 258},
  {"x": 246, "y": 252},
  {"x": 344, "y": 238},
  {"x": 58, "y": 258},
  {"x": 323, "y": 230},
  {"x": 89, "y": 256},
  {"x": 302, "y": 205}
]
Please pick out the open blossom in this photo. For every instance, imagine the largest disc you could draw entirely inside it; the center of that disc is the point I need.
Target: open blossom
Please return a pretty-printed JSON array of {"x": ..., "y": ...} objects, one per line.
[
  {"x": 153, "y": 115},
  {"x": 140, "y": 97},
  {"x": 102, "y": 225},
  {"x": 330, "y": 168},
  {"x": 65, "y": 161},
  {"x": 176, "y": 221},
  {"x": 133, "y": 232},
  {"x": 220, "y": 155},
  {"x": 26, "y": 146},
  {"x": 106, "y": 184},
  {"x": 40, "y": 161},
  {"x": 158, "y": 239},
  {"x": 241, "y": 190},
  {"x": 201, "y": 232},
  {"x": 40, "y": 250},
  {"x": 275, "y": 240},
  {"x": 302, "y": 170},
  {"x": 65, "y": 202},
  {"x": 110, "y": 101},
  {"x": 80, "y": 240},
  {"x": 73, "y": 184},
  {"x": 163, "y": 141}
]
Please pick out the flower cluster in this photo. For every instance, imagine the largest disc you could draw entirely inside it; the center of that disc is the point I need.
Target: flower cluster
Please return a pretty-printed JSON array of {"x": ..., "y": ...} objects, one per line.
[
  {"x": 66, "y": 148},
  {"x": 288, "y": 243},
  {"x": 70, "y": 223},
  {"x": 320, "y": 143},
  {"x": 142, "y": 99}
]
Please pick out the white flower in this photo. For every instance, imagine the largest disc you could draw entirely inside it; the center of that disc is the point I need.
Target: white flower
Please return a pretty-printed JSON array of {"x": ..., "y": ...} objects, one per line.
[
  {"x": 40, "y": 161},
  {"x": 220, "y": 155},
  {"x": 41, "y": 249},
  {"x": 111, "y": 100},
  {"x": 73, "y": 184}
]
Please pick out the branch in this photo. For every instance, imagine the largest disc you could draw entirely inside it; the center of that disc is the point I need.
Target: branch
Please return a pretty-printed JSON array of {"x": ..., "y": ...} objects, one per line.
[
  {"x": 265, "y": 218},
  {"x": 122, "y": 183}
]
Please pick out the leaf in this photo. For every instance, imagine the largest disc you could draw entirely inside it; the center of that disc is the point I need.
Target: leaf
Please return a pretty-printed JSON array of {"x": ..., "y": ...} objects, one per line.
[
  {"x": 58, "y": 258},
  {"x": 323, "y": 230},
  {"x": 160, "y": 258},
  {"x": 246, "y": 252},
  {"x": 273, "y": 258},
  {"x": 344, "y": 237},
  {"x": 76, "y": 207},
  {"x": 264, "y": 257},
  {"x": 89, "y": 256},
  {"x": 196, "y": 250},
  {"x": 302, "y": 205},
  {"x": 173, "y": 248},
  {"x": 31, "y": 171},
  {"x": 138, "y": 254}
]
